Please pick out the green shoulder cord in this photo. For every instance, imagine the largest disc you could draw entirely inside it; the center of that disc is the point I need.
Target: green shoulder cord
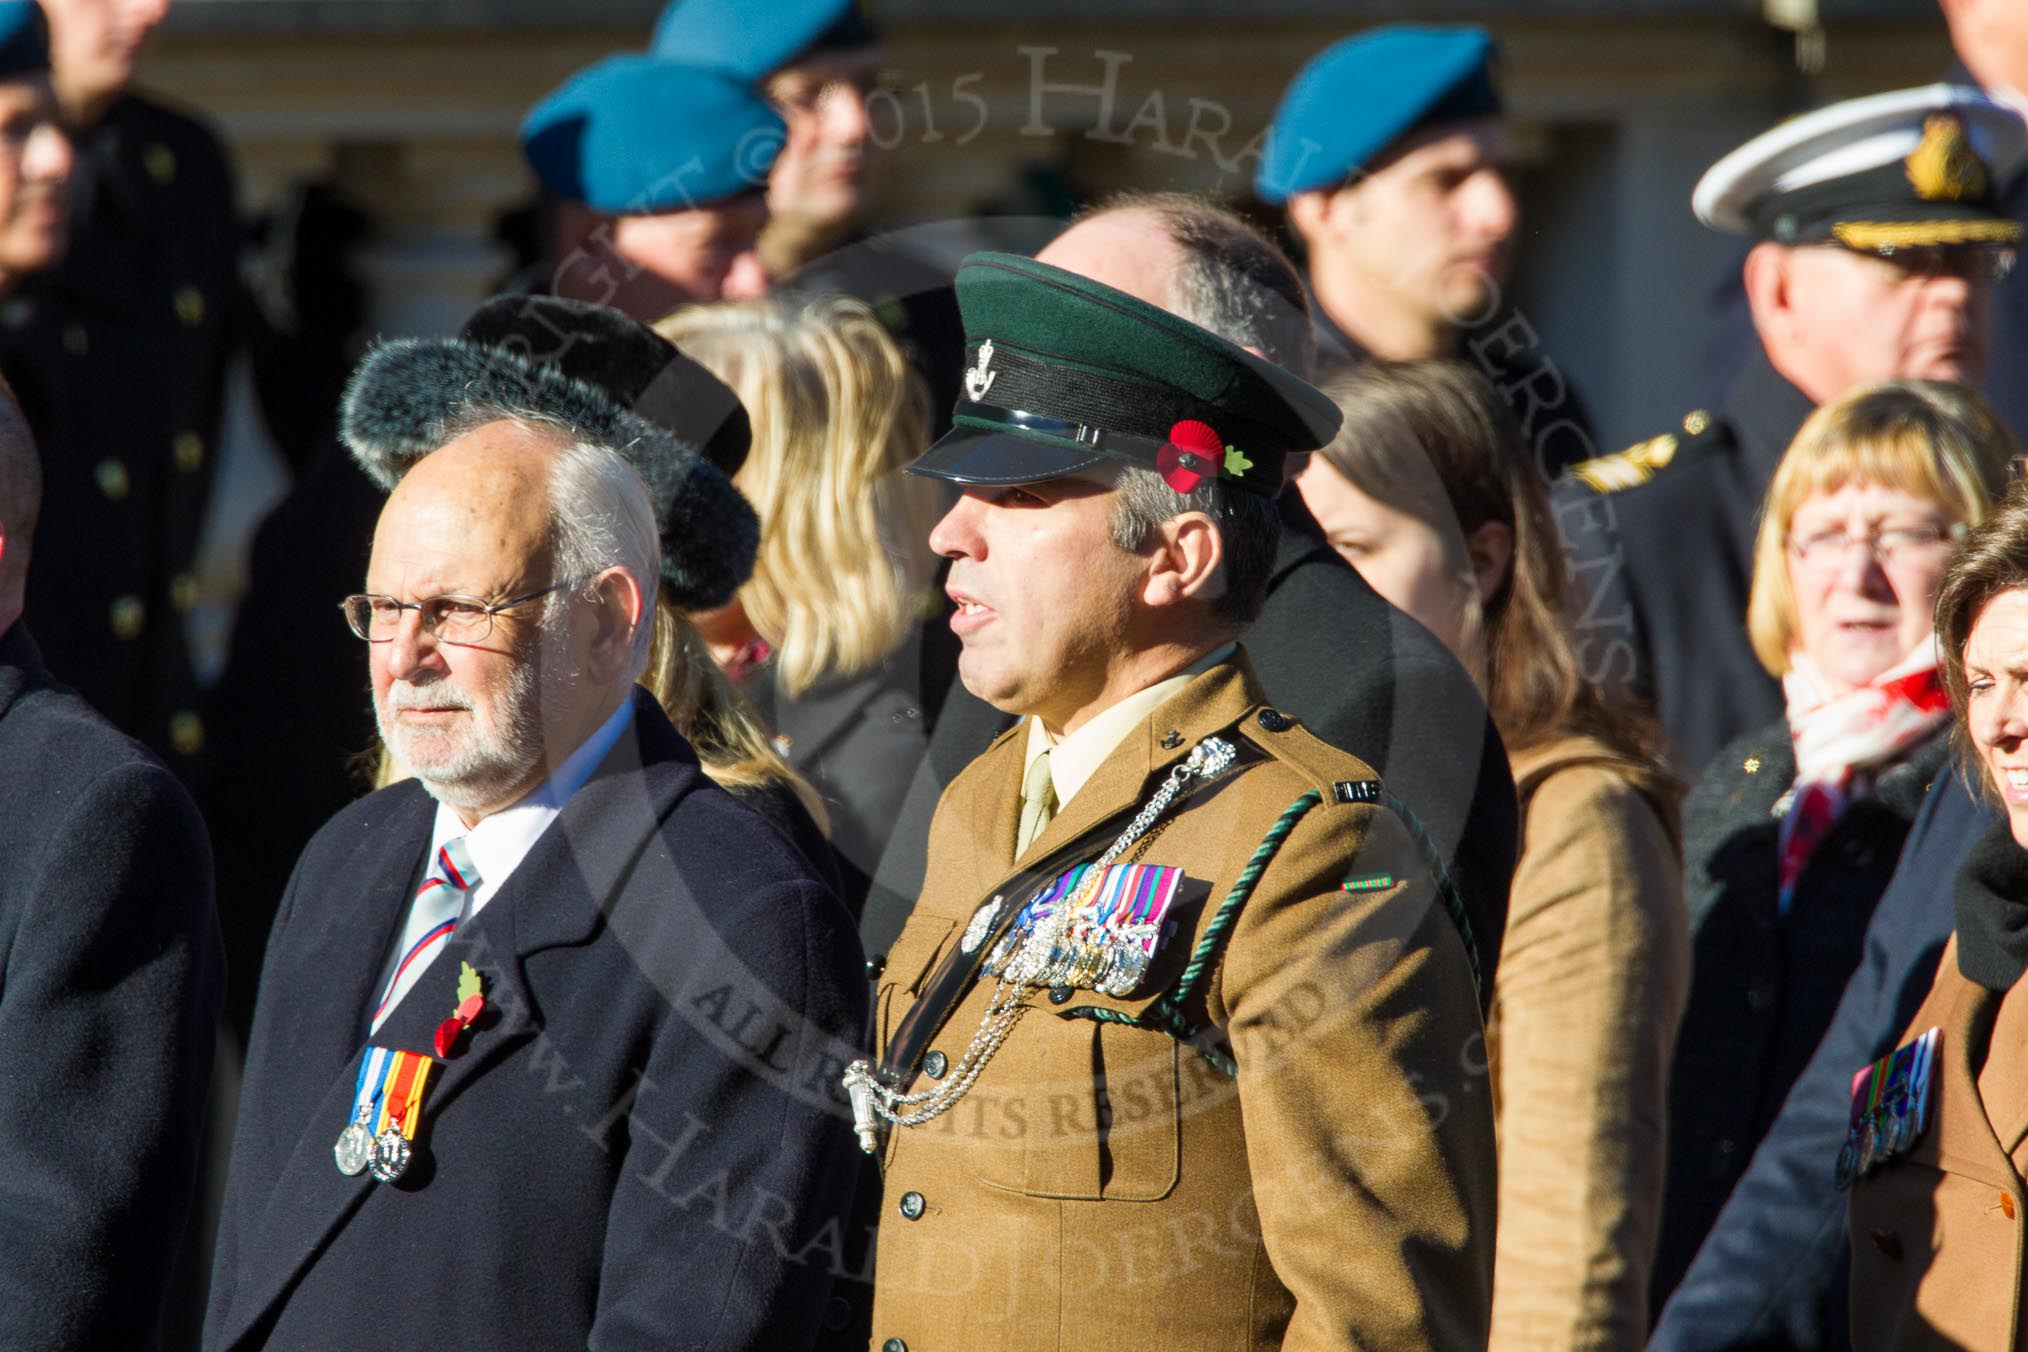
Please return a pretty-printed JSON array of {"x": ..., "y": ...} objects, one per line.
[{"x": 1166, "y": 1015}]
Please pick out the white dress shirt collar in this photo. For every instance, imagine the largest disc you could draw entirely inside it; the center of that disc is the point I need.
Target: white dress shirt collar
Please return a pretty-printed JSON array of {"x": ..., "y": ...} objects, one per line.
[
  {"x": 1073, "y": 760},
  {"x": 499, "y": 843}
]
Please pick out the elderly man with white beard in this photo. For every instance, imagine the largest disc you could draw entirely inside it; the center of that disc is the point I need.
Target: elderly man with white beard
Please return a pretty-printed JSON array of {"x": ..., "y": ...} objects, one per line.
[{"x": 547, "y": 1034}]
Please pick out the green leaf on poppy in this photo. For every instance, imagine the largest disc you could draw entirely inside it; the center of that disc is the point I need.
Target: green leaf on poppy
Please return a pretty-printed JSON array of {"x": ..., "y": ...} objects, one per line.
[{"x": 1236, "y": 462}]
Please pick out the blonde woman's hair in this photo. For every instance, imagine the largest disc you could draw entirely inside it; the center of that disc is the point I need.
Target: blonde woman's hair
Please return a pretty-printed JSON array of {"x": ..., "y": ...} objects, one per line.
[
  {"x": 1925, "y": 438},
  {"x": 836, "y": 413},
  {"x": 714, "y": 717}
]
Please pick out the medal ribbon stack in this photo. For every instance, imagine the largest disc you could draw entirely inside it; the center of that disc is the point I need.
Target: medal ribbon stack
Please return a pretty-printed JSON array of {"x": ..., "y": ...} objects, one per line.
[
  {"x": 1039, "y": 953},
  {"x": 1112, "y": 931},
  {"x": 386, "y": 1110},
  {"x": 1890, "y": 1107}
]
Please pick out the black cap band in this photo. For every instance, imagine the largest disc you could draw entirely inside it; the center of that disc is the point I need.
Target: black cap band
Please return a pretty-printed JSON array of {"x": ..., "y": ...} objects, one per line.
[{"x": 1126, "y": 447}]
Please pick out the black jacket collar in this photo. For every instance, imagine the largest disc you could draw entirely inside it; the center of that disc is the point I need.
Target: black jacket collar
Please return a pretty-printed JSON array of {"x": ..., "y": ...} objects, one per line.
[
  {"x": 1765, "y": 412},
  {"x": 21, "y": 668}
]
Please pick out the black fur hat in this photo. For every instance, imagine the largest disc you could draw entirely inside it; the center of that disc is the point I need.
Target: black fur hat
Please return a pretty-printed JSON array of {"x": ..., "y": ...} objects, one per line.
[{"x": 598, "y": 370}]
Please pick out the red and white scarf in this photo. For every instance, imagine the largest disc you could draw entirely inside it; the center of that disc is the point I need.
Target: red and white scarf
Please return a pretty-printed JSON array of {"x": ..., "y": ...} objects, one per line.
[{"x": 1844, "y": 740}]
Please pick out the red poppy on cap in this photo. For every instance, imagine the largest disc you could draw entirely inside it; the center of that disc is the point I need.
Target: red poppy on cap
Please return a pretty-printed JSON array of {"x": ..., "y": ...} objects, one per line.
[{"x": 1192, "y": 455}]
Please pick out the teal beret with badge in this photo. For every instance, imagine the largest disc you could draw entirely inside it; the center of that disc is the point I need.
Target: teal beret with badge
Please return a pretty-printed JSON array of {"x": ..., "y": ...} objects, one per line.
[
  {"x": 1065, "y": 375},
  {"x": 1912, "y": 168},
  {"x": 755, "y": 38},
  {"x": 633, "y": 135},
  {"x": 1358, "y": 97},
  {"x": 24, "y": 39}
]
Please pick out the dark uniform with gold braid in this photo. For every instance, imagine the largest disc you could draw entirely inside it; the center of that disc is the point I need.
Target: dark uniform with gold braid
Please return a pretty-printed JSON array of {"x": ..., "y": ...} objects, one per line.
[
  {"x": 1663, "y": 531},
  {"x": 118, "y": 356},
  {"x": 1191, "y": 1070}
]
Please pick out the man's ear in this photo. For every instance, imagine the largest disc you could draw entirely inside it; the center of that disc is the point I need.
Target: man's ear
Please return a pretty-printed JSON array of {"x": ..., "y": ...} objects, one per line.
[
  {"x": 1310, "y": 213},
  {"x": 1765, "y": 277},
  {"x": 1185, "y": 562},
  {"x": 622, "y": 610}
]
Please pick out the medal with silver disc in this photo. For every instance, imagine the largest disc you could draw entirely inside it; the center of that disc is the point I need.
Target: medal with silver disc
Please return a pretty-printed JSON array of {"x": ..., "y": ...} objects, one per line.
[
  {"x": 391, "y": 1154},
  {"x": 400, "y": 1114},
  {"x": 355, "y": 1143},
  {"x": 354, "y": 1148}
]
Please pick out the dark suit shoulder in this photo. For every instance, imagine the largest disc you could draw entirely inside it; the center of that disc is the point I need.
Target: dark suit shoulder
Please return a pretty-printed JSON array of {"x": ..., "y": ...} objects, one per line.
[
  {"x": 376, "y": 812},
  {"x": 1659, "y": 462},
  {"x": 183, "y": 130},
  {"x": 1746, "y": 776},
  {"x": 65, "y": 739},
  {"x": 712, "y": 829}
]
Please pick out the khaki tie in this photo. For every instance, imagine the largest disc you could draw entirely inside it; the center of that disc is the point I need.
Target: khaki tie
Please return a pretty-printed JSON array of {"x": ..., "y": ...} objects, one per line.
[{"x": 1038, "y": 804}]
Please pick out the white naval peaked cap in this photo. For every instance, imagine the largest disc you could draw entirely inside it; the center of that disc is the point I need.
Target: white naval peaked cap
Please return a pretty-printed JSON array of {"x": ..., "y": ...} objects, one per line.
[{"x": 1908, "y": 167}]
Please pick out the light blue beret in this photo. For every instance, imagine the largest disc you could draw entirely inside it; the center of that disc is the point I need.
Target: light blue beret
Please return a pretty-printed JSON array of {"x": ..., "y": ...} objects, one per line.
[
  {"x": 1359, "y": 96},
  {"x": 634, "y": 134},
  {"x": 24, "y": 44},
  {"x": 756, "y": 38}
]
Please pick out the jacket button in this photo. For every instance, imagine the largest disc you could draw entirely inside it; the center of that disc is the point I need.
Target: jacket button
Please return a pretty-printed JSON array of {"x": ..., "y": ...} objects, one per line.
[
  {"x": 875, "y": 965},
  {"x": 1059, "y": 995},
  {"x": 837, "y": 1314},
  {"x": 894, "y": 1345},
  {"x": 935, "y": 1064},
  {"x": 188, "y": 452},
  {"x": 911, "y": 1206},
  {"x": 1858, "y": 851},
  {"x": 1887, "y": 1242},
  {"x": 186, "y": 733},
  {"x": 1274, "y": 720},
  {"x": 114, "y": 481},
  {"x": 127, "y": 616}
]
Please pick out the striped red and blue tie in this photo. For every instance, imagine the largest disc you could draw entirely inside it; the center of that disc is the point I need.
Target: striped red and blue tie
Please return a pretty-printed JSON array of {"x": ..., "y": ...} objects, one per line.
[{"x": 431, "y": 919}]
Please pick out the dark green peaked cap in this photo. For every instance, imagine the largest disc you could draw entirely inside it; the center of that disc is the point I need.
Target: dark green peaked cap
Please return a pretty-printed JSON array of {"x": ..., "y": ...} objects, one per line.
[{"x": 1063, "y": 373}]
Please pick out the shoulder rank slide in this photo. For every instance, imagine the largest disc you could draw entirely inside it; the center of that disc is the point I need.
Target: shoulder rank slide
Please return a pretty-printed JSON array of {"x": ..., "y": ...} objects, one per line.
[
  {"x": 1629, "y": 468},
  {"x": 1890, "y": 1107}
]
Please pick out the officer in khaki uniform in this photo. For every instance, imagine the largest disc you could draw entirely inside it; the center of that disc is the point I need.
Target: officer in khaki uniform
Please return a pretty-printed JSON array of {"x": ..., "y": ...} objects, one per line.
[{"x": 1224, "y": 1087}]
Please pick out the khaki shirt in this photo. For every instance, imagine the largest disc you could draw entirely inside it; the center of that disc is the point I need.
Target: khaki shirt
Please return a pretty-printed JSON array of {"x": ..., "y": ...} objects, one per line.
[{"x": 1103, "y": 1185}]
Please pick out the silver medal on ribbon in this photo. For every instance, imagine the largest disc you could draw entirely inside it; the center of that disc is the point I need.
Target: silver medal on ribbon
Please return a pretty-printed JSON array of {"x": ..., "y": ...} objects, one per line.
[
  {"x": 354, "y": 1149},
  {"x": 982, "y": 922},
  {"x": 390, "y": 1155}
]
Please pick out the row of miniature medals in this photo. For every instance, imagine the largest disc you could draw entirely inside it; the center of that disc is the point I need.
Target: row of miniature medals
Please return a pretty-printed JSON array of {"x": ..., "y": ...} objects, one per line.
[
  {"x": 387, "y": 1097},
  {"x": 1890, "y": 1107},
  {"x": 1095, "y": 927}
]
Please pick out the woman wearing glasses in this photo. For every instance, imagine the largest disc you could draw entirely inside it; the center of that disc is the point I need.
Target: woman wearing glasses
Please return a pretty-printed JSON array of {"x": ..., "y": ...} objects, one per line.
[{"x": 1793, "y": 831}]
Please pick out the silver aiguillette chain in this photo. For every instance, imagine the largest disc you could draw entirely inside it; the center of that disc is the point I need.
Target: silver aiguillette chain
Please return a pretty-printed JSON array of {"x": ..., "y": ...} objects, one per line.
[{"x": 872, "y": 1097}]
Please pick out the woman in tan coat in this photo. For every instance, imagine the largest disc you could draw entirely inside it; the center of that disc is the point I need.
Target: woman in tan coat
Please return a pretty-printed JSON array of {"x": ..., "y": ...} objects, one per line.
[
  {"x": 1429, "y": 492},
  {"x": 1939, "y": 1143}
]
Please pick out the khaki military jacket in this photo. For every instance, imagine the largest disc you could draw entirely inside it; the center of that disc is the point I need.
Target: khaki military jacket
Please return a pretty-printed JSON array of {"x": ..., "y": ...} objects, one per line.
[
  {"x": 1103, "y": 1185},
  {"x": 1936, "y": 1233}
]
